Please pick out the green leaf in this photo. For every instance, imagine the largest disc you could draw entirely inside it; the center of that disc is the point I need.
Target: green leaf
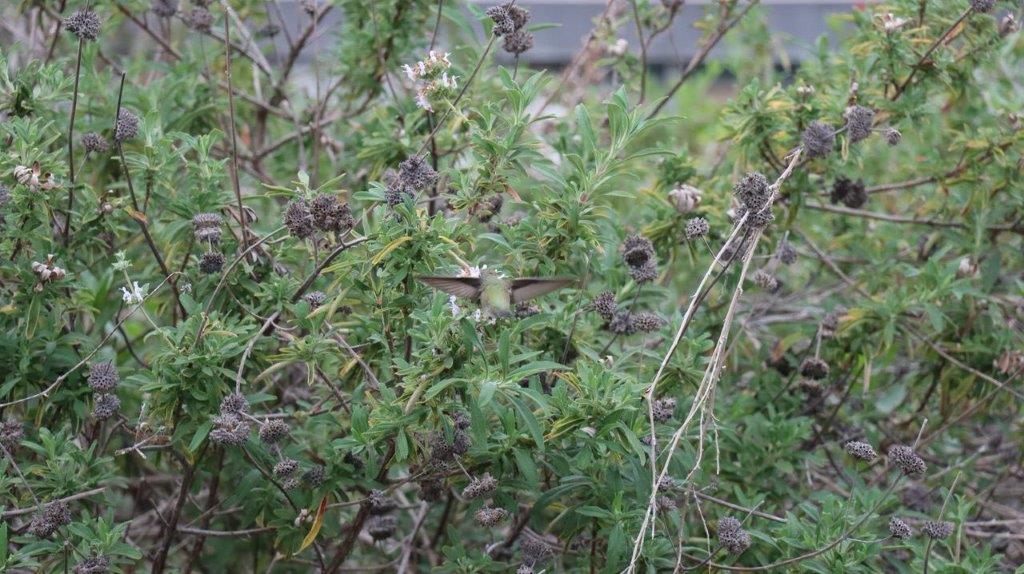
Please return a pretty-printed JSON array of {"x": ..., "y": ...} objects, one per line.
[{"x": 531, "y": 422}]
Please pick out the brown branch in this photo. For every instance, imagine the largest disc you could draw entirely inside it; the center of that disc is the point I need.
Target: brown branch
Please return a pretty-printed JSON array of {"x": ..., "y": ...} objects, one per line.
[
  {"x": 356, "y": 527},
  {"x": 701, "y": 55}
]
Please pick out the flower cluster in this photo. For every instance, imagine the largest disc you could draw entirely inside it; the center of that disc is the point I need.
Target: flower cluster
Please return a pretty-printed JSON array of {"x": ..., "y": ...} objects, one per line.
[
  {"x": 431, "y": 78},
  {"x": 413, "y": 175},
  {"x": 510, "y": 23},
  {"x": 84, "y": 24},
  {"x": 861, "y": 450},
  {"x": 850, "y": 193},
  {"x": 230, "y": 427},
  {"x": 755, "y": 199},
  {"x": 48, "y": 520},
  {"x": 732, "y": 536},
  {"x": 640, "y": 258}
]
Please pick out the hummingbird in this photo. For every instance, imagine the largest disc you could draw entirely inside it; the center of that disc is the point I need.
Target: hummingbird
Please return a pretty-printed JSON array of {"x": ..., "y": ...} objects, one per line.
[{"x": 495, "y": 293}]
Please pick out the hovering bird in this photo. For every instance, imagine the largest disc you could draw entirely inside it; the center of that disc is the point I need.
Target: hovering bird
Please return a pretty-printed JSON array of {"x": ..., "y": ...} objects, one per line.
[{"x": 495, "y": 293}]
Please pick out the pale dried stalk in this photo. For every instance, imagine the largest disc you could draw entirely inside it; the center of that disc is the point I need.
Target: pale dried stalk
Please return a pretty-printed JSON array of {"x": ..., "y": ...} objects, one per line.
[{"x": 702, "y": 403}]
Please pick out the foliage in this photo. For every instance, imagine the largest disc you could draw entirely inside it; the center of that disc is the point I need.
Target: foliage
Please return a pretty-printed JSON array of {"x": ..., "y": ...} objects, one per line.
[{"x": 290, "y": 396}]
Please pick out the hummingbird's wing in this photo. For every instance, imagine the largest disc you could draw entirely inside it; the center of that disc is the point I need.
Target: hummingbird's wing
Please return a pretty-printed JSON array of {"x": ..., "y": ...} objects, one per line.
[
  {"x": 465, "y": 287},
  {"x": 527, "y": 288}
]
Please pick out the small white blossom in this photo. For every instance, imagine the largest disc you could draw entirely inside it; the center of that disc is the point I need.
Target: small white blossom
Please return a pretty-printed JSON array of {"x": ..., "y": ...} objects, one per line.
[
  {"x": 619, "y": 48},
  {"x": 133, "y": 294},
  {"x": 454, "y": 305}
]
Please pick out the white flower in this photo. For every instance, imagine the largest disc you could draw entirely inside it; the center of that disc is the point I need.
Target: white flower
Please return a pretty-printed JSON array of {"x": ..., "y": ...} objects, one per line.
[
  {"x": 619, "y": 48},
  {"x": 478, "y": 315},
  {"x": 422, "y": 101},
  {"x": 448, "y": 81},
  {"x": 685, "y": 197},
  {"x": 454, "y": 305},
  {"x": 471, "y": 272},
  {"x": 891, "y": 23},
  {"x": 133, "y": 294}
]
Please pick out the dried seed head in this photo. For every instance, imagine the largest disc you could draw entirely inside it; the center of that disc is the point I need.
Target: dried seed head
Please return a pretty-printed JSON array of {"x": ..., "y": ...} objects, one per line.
[
  {"x": 84, "y": 23},
  {"x": 518, "y": 42},
  {"x": 647, "y": 322},
  {"x": 861, "y": 450},
  {"x": 983, "y": 5},
  {"x": 535, "y": 552},
  {"x": 829, "y": 324},
  {"x": 524, "y": 569},
  {"x": 665, "y": 504},
  {"x": 480, "y": 487},
  {"x": 644, "y": 273},
  {"x": 315, "y": 299},
  {"x": 752, "y": 191},
  {"x": 198, "y": 19},
  {"x": 11, "y": 433},
  {"x": 899, "y": 529},
  {"x": 292, "y": 483},
  {"x": 330, "y": 214},
  {"x": 637, "y": 250},
  {"x": 786, "y": 253},
  {"x": 819, "y": 139},
  {"x": 937, "y": 530},
  {"x": 461, "y": 420},
  {"x": 234, "y": 403},
  {"x": 103, "y": 377},
  {"x": 604, "y": 305},
  {"x": 892, "y": 136},
  {"x": 164, "y": 8},
  {"x": 461, "y": 442},
  {"x": 622, "y": 323},
  {"x": 526, "y": 309},
  {"x": 519, "y": 15},
  {"x": 298, "y": 219},
  {"x": 380, "y": 502},
  {"x": 732, "y": 536},
  {"x": 767, "y": 281},
  {"x": 230, "y": 429},
  {"x": 850, "y": 193},
  {"x": 416, "y": 173},
  {"x": 755, "y": 218},
  {"x": 127, "y": 126},
  {"x": 503, "y": 23},
  {"x": 314, "y": 477},
  {"x": 105, "y": 405},
  {"x": 274, "y": 431},
  {"x": 907, "y": 461},
  {"x": 381, "y": 527},
  {"x": 211, "y": 262},
  {"x": 859, "y": 120},
  {"x": 49, "y": 519},
  {"x": 431, "y": 490},
  {"x": 286, "y": 467},
  {"x": 664, "y": 409},
  {"x": 395, "y": 193},
  {"x": 685, "y": 198},
  {"x": 95, "y": 143},
  {"x": 93, "y": 565},
  {"x": 814, "y": 368},
  {"x": 207, "y": 227},
  {"x": 697, "y": 227}
]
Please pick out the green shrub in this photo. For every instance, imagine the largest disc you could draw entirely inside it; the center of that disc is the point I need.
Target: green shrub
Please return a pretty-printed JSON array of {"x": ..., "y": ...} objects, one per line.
[{"x": 371, "y": 293}]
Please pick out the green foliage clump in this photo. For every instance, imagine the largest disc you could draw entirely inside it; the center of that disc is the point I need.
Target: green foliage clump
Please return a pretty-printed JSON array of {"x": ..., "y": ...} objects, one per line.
[{"x": 356, "y": 288}]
